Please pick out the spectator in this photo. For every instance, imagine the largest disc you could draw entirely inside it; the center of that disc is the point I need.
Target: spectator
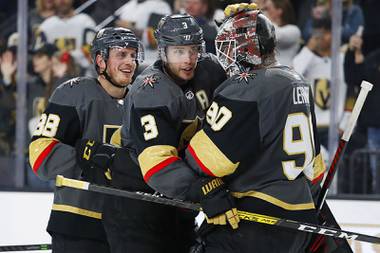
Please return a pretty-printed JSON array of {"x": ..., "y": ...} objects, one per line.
[
  {"x": 352, "y": 18},
  {"x": 371, "y": 36},
  {"x": 69, "y": 32},
  {"x": 102, "y": 9},
  {"x": 318, "y": 11},
  {"x": 358, "y": 68},
  {"x": 43, "y": 10},
  {"x": 314, "y": 63},
  {"x": 8, "y": 67},
  {"x": 203, "y": 11},
  {"x": 288, "y": 35},
  {"x": 40, "y": 87},
  {"x": 141, "y": 16},
  {"x": 64, "y": 67}
]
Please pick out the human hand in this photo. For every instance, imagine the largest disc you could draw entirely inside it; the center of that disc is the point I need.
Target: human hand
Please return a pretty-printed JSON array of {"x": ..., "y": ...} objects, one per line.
[
  {"x": 8, "y": 66},
  {"x": 216, "y": 202},
  {"x": 94, "y": 159}
]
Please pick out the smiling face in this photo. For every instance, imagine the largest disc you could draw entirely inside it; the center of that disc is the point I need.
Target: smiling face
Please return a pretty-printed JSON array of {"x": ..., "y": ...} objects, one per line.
[
  {"x": 121, "y": 65},
  {"x": 181, "y": 61}
]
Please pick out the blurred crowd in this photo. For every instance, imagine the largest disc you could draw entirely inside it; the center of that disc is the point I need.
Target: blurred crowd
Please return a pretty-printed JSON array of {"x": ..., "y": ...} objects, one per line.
[{"x": 60, "y": 33}]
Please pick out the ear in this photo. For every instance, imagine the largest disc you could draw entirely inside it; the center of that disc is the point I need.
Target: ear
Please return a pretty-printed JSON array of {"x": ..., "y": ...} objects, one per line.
[{"x": 100, "y": 62}]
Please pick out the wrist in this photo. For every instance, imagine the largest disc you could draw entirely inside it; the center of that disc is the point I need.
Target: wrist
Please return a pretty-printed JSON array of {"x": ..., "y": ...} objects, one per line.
[{"x": 7, "y": 79}]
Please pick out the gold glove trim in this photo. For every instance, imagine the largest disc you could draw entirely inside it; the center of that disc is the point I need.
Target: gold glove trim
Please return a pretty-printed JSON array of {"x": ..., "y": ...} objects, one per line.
[{"x": 232, "y": 216}]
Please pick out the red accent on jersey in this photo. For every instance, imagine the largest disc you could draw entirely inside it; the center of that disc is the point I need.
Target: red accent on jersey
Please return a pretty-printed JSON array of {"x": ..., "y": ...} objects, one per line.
[
  {"x": 318, "y": 179},
  {"x": 199, "y": 162},
  {"x": 159, "y": 167},
  {"x": 43, "y": 155}
]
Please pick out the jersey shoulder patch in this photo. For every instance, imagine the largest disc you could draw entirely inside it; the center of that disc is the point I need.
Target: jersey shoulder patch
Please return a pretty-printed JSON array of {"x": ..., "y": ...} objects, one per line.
[{"x": 152, "y": 88}]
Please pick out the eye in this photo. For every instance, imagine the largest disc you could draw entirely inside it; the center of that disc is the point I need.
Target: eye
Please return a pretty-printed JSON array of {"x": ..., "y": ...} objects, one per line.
[{"x": 179, "y": 51}]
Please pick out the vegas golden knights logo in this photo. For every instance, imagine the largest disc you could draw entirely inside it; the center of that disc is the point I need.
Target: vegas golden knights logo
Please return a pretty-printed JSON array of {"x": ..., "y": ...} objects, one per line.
[
  {"x": 108, "y": 131},
  {"x": 65, "y": 44},
  {"x": 322, "y": 93}
]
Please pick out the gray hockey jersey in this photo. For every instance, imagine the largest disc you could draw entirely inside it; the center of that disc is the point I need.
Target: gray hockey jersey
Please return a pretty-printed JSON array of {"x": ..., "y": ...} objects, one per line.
[{"x": 79, "y": 108}]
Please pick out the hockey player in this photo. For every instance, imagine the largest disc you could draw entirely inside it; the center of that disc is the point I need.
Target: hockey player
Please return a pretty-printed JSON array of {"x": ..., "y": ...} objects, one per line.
[
  {"x": 257, "y": 152},
  {"x": 177, "y": 88},
  {"x": 83, "y": 108}
]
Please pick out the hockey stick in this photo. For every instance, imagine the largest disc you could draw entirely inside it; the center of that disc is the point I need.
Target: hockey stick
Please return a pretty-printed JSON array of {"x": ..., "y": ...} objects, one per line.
[
  {"x": 25, "y": 247},
  {"x": 365, "y": 88},
  {"x": 248, "y": 216},
  {"x": 324, "y": 212}
]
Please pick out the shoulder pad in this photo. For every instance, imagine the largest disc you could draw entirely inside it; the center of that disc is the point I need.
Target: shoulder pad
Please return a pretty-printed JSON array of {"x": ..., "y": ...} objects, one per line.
[
  {"x": 153, "y": 88},
  {"x": 75, "y": 91}
]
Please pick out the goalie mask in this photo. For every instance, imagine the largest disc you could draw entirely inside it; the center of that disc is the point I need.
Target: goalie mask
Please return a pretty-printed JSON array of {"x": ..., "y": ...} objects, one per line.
[
  {"x": 244, "y": 39},
  {"x": 179, "y": 30}
]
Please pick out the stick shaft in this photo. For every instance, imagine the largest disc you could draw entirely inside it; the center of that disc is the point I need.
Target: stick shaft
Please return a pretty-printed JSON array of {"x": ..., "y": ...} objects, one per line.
[
  {"x": 365, "y": 88},
  {"x": 25, "y": 247},
  {"x": 248, "y": 216}
]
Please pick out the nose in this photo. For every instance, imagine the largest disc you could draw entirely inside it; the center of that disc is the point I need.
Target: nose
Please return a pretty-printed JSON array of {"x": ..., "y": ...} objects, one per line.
[
  {"x": 129, "y": 60},
  {"x": 188, "y": 56}
]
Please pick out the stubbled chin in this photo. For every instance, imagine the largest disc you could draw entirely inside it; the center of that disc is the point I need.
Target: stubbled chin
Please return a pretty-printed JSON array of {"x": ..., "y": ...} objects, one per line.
[{"x": 187, "y": 75}]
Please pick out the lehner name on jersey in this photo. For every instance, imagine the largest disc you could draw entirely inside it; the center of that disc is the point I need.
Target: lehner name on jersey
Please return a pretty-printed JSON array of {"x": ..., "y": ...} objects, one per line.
[{"x": 300, "y": 95}]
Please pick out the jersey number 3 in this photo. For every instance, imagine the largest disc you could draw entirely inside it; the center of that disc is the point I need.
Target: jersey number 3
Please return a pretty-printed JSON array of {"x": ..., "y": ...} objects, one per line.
[{"x": 150, "y": 127}]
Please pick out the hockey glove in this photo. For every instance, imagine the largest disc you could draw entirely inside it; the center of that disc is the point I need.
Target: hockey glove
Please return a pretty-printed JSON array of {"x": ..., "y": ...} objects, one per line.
[
  {"x": 216, "y": 201},
  {"x": 94, "y": 159}
]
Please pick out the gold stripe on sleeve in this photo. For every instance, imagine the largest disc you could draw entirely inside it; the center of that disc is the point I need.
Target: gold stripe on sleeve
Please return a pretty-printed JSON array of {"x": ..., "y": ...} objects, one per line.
[
  {"x": 37, "y": 147},
  {"x": 211, "y": 156},
  {"x": 154, "y": 155}
]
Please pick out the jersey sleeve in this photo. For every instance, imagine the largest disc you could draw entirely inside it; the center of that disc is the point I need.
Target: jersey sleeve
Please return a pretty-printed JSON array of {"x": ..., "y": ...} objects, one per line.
[
  {"x": 211, "y": 151},
  {"x": 315, "y": 172},
  {"x": 156, "y": 138},
  {"x": 51, "y": 150}
]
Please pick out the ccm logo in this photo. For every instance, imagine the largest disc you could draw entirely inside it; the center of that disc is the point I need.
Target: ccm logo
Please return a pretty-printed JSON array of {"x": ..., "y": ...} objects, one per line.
[{"x": 324, "y": 231}]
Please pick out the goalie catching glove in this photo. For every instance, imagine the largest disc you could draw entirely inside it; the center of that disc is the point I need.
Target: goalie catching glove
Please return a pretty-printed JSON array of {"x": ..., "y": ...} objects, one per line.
[
  {"x": 216, "y": 201},
  {"x": 94, "y": 159}
]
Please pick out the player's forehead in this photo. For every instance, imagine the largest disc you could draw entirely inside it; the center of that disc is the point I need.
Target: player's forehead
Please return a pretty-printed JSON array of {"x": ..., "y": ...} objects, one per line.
[
  {"x": 183, "y": 47},
  {"x": 127, "y": 50}
]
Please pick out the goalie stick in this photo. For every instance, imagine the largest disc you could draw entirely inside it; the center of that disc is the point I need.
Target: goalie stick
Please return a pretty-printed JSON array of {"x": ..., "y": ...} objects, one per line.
[
  {"x": 248, "y": 216},
  {"x": 365, "y": 88},
  {"x": 323, "y": 211}
]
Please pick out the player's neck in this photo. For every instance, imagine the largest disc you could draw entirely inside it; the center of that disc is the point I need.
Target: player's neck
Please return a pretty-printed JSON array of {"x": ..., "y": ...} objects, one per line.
[{"x": 113, "y": 91}]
